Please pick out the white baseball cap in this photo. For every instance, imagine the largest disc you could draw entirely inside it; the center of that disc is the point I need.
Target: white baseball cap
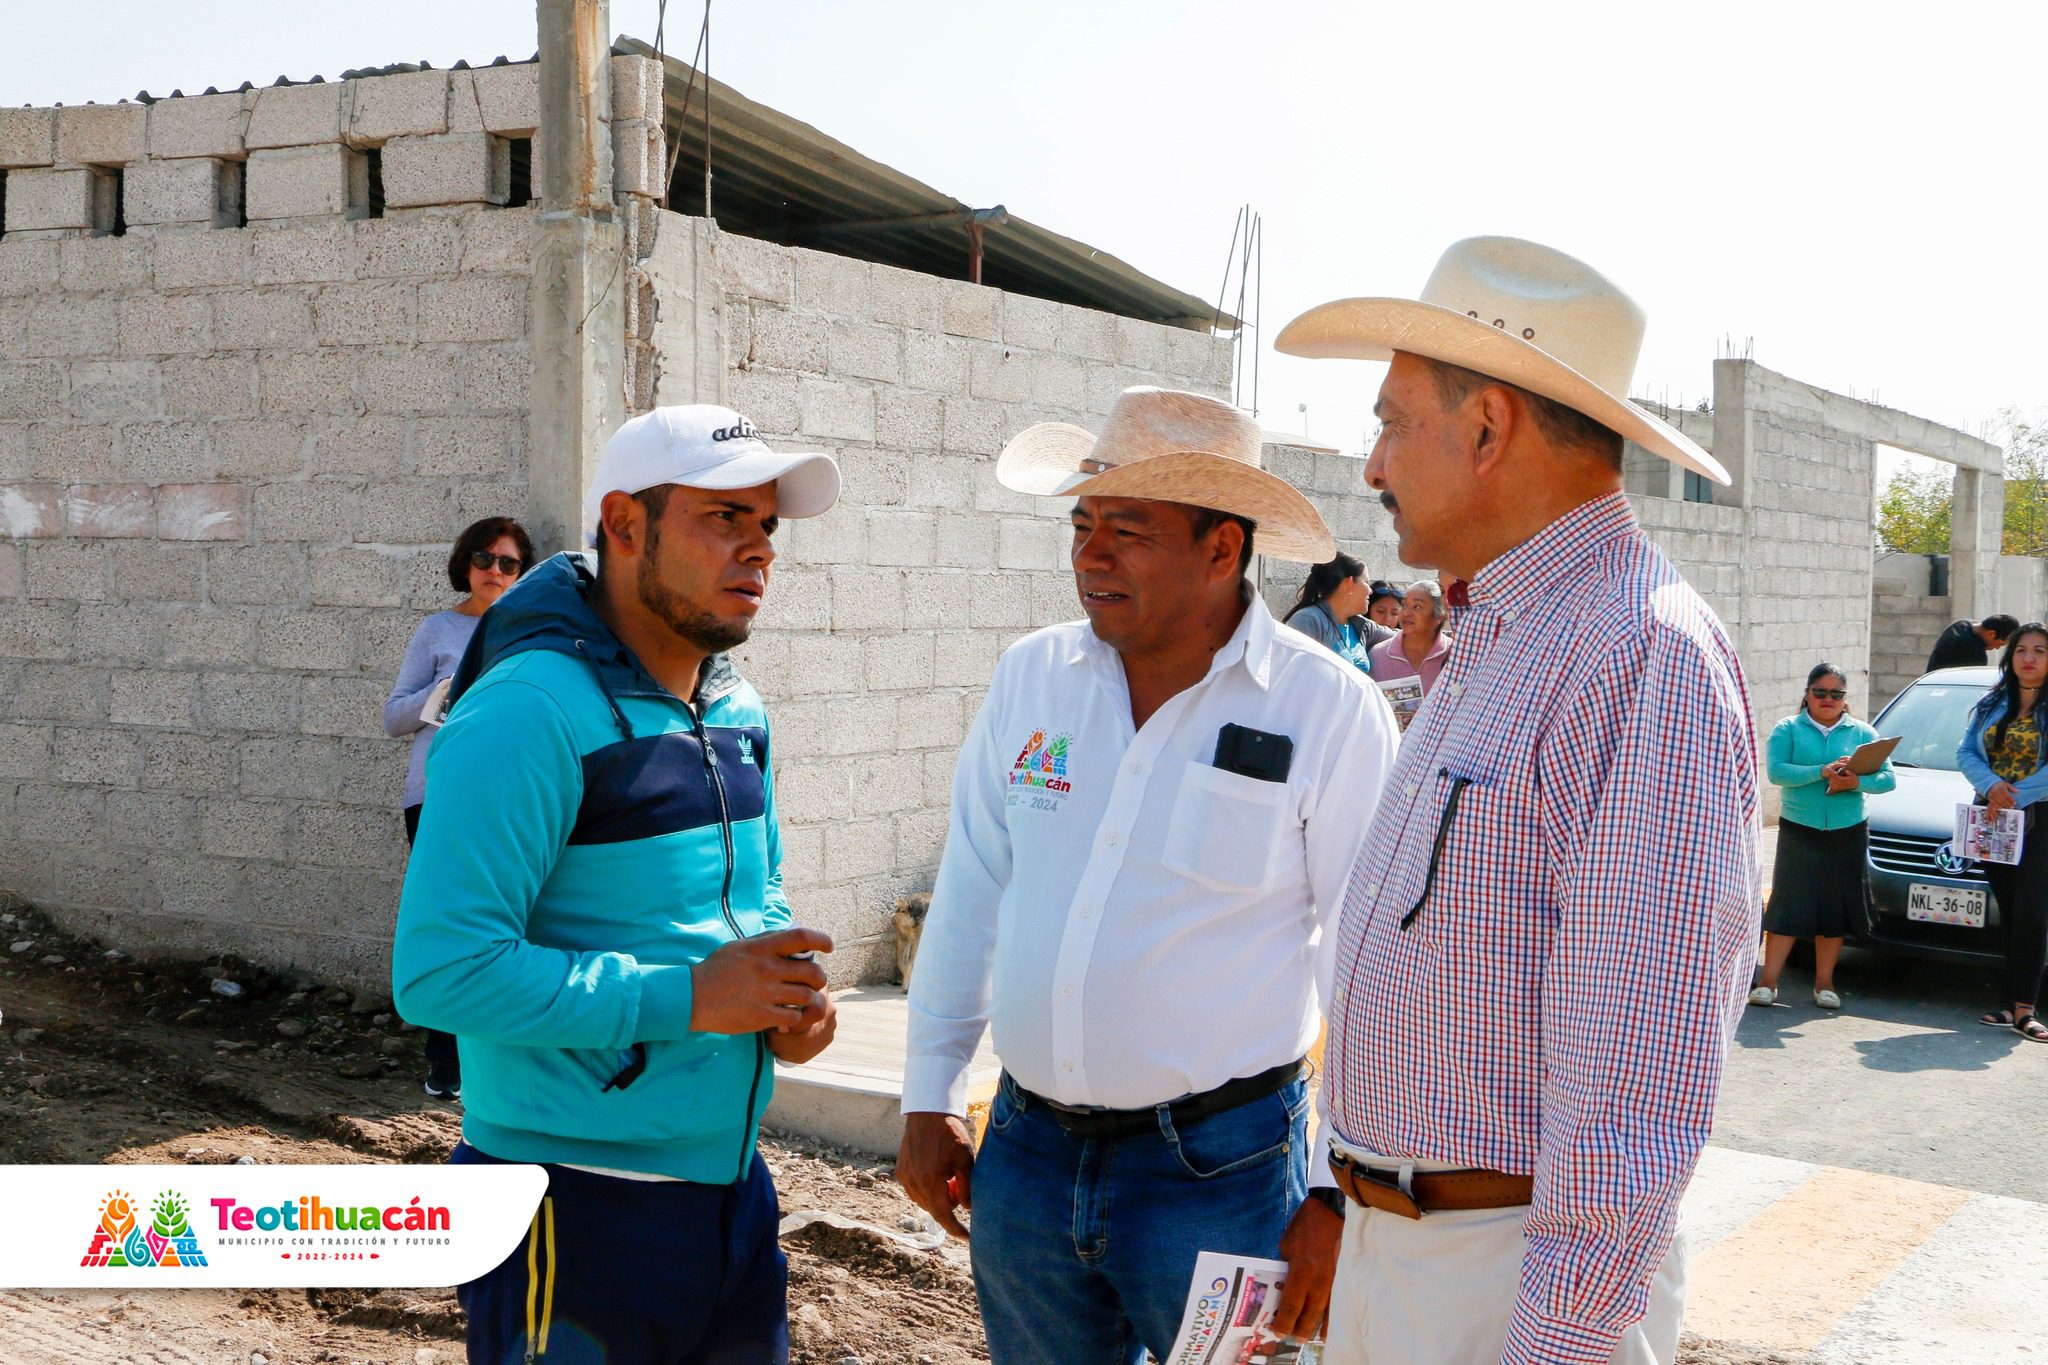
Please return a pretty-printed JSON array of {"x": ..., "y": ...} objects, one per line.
[{"x": 702, "y": 445}]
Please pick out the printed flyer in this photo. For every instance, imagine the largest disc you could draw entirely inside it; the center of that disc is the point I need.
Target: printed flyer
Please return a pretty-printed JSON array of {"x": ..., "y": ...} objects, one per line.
[
  {"x": 1990, "y": 836},
  {"x": 1230, "y": 1313},
  {"x": 1405, "y": 696}
]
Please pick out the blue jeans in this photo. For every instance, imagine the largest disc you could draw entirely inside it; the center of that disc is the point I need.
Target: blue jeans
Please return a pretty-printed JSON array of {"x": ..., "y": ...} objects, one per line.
[{"x": 1083, "y": 1251}]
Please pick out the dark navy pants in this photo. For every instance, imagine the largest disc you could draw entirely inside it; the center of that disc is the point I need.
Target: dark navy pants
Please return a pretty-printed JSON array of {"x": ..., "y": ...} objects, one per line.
[{"x": 637, "y": 1272}]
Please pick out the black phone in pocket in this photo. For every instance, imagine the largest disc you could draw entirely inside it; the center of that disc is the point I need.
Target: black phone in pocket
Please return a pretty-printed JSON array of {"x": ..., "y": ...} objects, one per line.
[{"x": 1254, "y": 753}]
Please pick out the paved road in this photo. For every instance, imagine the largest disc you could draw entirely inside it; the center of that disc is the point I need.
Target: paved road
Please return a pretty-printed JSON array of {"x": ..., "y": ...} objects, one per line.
[
  {"x": 1875, "y": 1194},
  {"x": 1901, "y": 1080}
]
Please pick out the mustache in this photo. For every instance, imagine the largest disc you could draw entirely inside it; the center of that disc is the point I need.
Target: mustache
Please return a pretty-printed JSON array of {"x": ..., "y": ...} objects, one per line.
[{"x": 1388, "y": 501}]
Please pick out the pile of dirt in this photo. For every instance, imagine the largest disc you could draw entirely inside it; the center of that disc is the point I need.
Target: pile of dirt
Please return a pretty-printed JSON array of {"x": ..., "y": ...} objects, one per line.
[{"x": 104, "y": 1059}]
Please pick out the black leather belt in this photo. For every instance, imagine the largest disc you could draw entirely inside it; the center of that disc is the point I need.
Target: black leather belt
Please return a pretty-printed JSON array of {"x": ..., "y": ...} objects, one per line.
[{"x": 1111, "y": 1125}]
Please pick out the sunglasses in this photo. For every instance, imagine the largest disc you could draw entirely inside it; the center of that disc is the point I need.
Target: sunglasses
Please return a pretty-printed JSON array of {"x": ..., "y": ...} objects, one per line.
[
  {"x": 483, "y": 559},
  {"x": 1826, "y": 693}
]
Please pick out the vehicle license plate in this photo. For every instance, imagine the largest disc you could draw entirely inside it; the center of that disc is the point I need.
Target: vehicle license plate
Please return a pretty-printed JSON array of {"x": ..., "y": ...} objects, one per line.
[{"x": 1945, "y": 905}]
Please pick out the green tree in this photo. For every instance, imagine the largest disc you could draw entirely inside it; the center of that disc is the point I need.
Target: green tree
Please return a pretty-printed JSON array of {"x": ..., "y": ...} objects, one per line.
[
  {"x": 2026, "y": 483},
  {"x": 1913, "y": 509},
  {"x": 1913, "y": 512}
]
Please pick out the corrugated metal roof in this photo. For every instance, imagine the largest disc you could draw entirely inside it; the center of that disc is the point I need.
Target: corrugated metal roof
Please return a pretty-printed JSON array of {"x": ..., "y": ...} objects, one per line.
[{"x": 779, "y": 178}]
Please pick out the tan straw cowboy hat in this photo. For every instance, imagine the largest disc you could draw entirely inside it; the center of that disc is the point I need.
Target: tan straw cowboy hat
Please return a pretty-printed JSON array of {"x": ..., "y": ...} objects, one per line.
[
  {"x": 1170, "y": 446},
  {"x": 1513, "y": 310}
]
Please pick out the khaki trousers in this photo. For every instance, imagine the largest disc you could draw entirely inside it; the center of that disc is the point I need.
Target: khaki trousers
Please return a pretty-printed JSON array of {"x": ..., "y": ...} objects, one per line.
[{"x": 1440, "y": 1290}]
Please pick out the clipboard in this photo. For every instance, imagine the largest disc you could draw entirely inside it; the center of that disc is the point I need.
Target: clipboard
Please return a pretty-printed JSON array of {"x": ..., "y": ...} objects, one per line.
[{"x": 1868, "y": 758}]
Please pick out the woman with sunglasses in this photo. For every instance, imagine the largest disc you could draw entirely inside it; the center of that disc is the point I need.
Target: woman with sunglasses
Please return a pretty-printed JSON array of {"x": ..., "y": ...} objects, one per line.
[
  {"x": 1383, "y": 605},
  {"x": 2004, "y": 753},
  {"x": 1817, "y": 882},
  {"x": 488, "y": 558}
]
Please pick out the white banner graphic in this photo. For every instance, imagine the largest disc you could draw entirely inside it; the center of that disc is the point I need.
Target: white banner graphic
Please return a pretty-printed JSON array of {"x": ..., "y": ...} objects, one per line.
[{"x": 248, "y": 1227}]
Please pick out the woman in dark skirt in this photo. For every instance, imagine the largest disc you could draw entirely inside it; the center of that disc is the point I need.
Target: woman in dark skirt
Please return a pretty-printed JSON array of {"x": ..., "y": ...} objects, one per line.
[{"x": 1817, "y": 884}]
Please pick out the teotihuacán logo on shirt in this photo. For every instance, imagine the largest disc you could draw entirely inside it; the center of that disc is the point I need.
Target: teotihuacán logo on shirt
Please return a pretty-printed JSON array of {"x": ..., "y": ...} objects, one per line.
[
  {"x": 168, "y": 1238},
  {"x": 1039, "y": 776}
]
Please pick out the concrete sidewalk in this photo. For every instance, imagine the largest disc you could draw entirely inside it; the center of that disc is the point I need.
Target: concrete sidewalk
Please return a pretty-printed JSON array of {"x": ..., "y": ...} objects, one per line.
[{"x": 853, "y": 1093}]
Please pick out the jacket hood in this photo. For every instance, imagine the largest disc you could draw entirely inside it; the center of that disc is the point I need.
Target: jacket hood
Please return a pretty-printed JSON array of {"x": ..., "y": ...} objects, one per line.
[{"x": 549, "y": 608}]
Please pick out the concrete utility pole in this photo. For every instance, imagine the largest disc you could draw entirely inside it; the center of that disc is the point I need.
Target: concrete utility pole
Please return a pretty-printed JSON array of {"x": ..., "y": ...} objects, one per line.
[{"x": 579, "y": 287}]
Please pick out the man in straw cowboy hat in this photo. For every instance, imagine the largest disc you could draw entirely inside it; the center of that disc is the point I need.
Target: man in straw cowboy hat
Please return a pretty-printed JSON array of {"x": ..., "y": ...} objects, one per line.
[
  {"x": 1533, "y": 995},
  {"x": 1153, "y": 814}
]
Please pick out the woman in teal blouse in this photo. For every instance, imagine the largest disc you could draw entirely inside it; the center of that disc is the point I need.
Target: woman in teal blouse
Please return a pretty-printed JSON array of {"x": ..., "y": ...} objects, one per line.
[{"x": 1817, "y": 884}]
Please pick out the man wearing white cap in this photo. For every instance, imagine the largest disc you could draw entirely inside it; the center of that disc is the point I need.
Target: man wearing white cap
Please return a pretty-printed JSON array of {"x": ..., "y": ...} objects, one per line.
[
  {"x": 594, "y": 906},
  {"x": 1152, "y": 817},
  {"x": 1533, "y": 995}
]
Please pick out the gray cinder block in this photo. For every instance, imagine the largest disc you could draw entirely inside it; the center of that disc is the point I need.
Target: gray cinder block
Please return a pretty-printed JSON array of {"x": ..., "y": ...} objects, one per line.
[{"x": 453, "y": 168}]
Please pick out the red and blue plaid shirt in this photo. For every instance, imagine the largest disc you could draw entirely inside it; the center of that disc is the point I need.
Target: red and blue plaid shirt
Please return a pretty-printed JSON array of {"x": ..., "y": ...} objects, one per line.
[{"x": 1545, "y": 950}]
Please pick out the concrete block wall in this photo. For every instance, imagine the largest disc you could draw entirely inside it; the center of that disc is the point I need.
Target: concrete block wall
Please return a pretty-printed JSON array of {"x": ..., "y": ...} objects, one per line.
[
  {"x": 886, "y": 616},
  {"x": 232, "y": 460},
  {"x": 2022, "y": 587},
  {"x": 1336, "y": 485},
  {"x": 1904, "y": 621},
  {"x": 271, "y": 153},
  {"x": 1807, "y": 557}
]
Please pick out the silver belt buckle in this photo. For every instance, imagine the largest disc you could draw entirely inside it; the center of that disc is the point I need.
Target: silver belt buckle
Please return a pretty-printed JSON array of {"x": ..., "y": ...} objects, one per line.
[{"x": 1401, "y": 1177}]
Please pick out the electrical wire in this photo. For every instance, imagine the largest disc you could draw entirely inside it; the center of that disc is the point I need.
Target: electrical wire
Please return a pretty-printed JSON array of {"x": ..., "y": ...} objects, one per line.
[{"x": 675, "y": 152}]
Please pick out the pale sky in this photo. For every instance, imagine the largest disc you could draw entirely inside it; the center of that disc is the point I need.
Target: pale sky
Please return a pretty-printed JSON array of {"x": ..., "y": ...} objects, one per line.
[{"x": 1857, "y": 188}]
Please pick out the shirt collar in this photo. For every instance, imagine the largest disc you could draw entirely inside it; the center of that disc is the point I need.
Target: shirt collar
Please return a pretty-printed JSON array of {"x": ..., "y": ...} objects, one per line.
[
  {"x": 1531, "y": 571},
  {"x": 1251, "y": 644}
]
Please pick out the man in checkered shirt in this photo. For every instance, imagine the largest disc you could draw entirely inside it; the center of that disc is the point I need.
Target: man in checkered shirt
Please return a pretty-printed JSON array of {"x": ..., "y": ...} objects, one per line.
[{"x": 1532, "y": 998}]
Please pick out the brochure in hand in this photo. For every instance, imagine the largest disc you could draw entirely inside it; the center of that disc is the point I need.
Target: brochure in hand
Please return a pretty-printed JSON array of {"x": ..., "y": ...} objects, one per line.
[
  {"x": 1990, "y": 836},
  {"x": 1230, "y": 1314},
  {"x": 1405, "y": 696},
  {"x": 434, "y": 710}
]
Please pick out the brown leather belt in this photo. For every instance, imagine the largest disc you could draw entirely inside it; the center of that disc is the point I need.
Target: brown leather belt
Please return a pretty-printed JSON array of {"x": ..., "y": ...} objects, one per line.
[{"x": 1428, "y": 1191}]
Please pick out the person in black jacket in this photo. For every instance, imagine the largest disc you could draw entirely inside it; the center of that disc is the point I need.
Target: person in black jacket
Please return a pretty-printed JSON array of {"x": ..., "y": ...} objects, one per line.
[{"x": 1968, "y": 644}]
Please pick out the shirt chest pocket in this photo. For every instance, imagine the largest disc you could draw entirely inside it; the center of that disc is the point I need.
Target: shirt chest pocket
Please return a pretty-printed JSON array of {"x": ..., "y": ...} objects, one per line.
[
  {"x": 1486, "y": 858},
  {"x": 1227, "y": 830}
]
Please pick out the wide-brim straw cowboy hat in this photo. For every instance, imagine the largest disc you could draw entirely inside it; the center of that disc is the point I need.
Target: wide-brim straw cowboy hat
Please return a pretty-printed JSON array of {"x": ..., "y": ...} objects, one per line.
[
  {"x": 1170, "y": 446},
  {"x": 1517, "y": 311}
]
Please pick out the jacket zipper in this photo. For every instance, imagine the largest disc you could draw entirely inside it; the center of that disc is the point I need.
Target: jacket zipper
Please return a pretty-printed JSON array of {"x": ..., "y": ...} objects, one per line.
[
  {"x": 724, "y": 819},
  {"x": 725, "y": 909}
]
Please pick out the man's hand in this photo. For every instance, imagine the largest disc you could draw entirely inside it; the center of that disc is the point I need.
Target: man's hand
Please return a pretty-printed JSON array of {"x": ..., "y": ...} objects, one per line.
[
  {"x": 757, "y": 983},
  {"x": 2001, "y": 797},
  {"x": 935, "y": 1167},
  {"x": 797, "y": 1046},
  {"x": 1309, "y": 1246}
]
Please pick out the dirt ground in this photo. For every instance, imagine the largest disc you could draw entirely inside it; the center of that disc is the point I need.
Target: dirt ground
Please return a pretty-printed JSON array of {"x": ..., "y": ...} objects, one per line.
[{"x": 105, "y": 1059}]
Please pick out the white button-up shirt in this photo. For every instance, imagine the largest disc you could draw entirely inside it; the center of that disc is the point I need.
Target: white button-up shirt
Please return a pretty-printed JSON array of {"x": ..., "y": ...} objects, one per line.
[{"x": 1136, "y": 923}]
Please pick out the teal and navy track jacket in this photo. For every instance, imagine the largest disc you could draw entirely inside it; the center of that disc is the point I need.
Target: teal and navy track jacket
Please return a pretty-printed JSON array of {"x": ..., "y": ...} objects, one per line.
[{"x": 587, "y": 837}]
